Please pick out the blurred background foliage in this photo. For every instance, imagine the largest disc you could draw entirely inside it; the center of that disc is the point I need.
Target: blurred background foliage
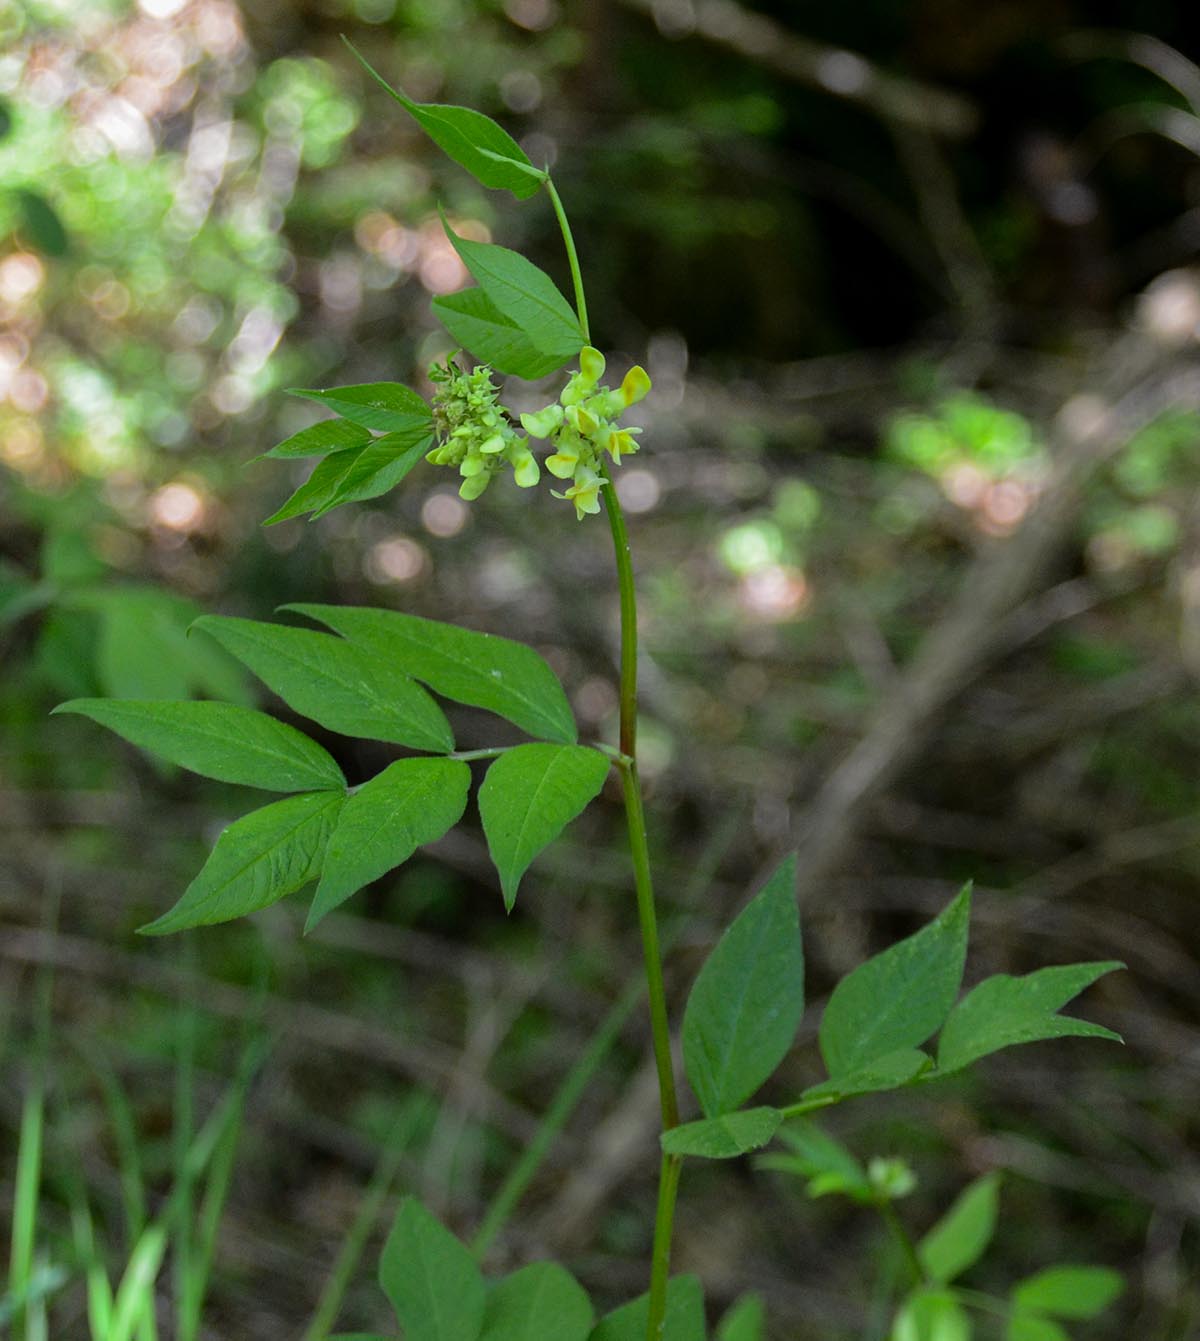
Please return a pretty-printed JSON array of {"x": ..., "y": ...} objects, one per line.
[{"x": 916, "y": 287}]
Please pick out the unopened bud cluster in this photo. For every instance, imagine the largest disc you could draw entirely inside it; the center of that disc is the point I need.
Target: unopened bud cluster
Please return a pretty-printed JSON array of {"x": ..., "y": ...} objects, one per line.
[{"x": 475, "y": 432}]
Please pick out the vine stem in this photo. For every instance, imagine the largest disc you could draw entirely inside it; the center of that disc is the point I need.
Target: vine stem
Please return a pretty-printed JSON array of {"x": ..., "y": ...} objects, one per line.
[{"x": 670, "y": 1165}]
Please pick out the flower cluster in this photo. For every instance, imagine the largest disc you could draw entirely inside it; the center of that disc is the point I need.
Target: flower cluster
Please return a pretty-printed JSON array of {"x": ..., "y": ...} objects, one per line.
[{"x": 475, "y": 433}]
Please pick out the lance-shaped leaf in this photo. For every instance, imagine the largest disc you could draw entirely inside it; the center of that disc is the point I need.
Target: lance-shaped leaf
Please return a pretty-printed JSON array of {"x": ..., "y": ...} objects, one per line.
[
  {"x": 386, "y": 407},
  {"x": 330, "y": 435},
  {"x": 413, "y": 801},
  {"x": 481, "y": 669},
  {"x": 931, "y": 1315},
  {"x": 684, "y": 1319},
  {"x": 826, "y": 1163},
  {"x": 745, "y": 1006},
  {"x": 1069, "y": 1291},
  {"x": 257, "y": 860},
  {"x": 541, "y": 1302},
  {"x": 884, "y": 1073},
  {"x": 482, "y": 329},
  {"x": 530, "y": 794},
  {"x": 1003, "y": 1011},
  {"x": 745, "y": 1321},
  {"x": 345, "y": 687},
  {"x": 724, "y": 1137},
  {"x": 378, "y": 467},
  {"x": 473, "y": 140},
  {"x": 960, "y": 1237},
  {"x": 320, "y": 486},
  {"x": 431, "y": 1278},
  {"x": 218, "y": 740},
  {"x": 900, "y": 997},
  {"x": 527, "y": 296}
]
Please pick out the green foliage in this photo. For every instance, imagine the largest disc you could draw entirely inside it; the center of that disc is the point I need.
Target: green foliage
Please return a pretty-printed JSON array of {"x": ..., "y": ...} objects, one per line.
[
  {"x": 745, "y": 1006},
  {"x": 961, "y": 1236},
  {"x": 473, "y": 140},
  {"x": 343, "y": 686},
  {"x": 320, "y": 439},
  {"x": 218, "y": 740},
  {"x": 413, "y": 801},
  {"x": 745, "y": 1321},
  {"x": 1069, "y": 1291},
  {"x": 1004, "y": 1011},
  {"x": 932, "y": 1315},
  {"x": 430, "y": 1278},
  {"x": 724, "y": 1137},
  {"x": 382, "y": 407},
  {"x": 258, "y": 860},
  {"x": 888, "y": 1072},
  {"x": 541, "y": 1302},
  {"x": 530, "y": 794},
  {"x": 480, "y": 669},
  {"x": 480, "y": 327},
  {"x": 684, "y": 1319},
  {"x": 900, "y": 997},
  {"x": 357, "y": 473},
  {"x": 826, "y": 1164}
]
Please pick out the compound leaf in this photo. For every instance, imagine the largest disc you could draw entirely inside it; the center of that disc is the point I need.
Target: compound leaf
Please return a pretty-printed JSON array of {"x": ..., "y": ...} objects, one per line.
[
  {"x": 745, "y": 1006},
  {"x": 541, "y": 1302},
  {"x": 481, "y": 669},
  {"x": 471, "y": 139},
  {"x": 1002, "y": 1011},
  {"x": 898, "y": 998},
  {"x": 885, "y": 1073},
  {"x": 257, "y": 860},
  {"x": 320, "y": 486},
  {"x": 378, "y": 467},
  {"x": 724, "y": 1137},
  {"x": 431, "y": 1279},
  {"x": 386, "y": 407},
  {"x": 959, "y": 1238},
  {"x": 218, "y": 740},
  {"x": 342, "y": 686},
  {"x": 413, "y": 801},
  {"x": 530, "y": 794}
]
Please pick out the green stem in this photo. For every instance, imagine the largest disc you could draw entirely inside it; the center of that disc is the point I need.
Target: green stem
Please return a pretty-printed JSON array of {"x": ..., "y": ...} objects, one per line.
[
  {"x": 802, "y": 1106},
  {"x": 490, "y": 752},
  {"x": 660, "y": 1030},
  {"x": 907, "y": 1247}
]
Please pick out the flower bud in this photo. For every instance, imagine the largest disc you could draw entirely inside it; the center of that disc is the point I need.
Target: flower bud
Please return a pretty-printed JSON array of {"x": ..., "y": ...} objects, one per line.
[
  {"x": 542, "y": 423},
  {"x": 525, "y": 469},
  {"x": 470, "y": 489}
]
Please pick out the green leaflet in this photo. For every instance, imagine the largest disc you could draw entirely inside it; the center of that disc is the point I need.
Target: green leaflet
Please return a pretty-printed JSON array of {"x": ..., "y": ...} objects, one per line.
[
  {"x": 1069, "y": 1291},
  {"x": 745, "y": 1006},
  {"x": 344, "y": 687},
  {"x": 379, "y": 467},
  {"x": 885, "y": 1073},
  {"x": 482, "y": 329},
  {"x": 481, "y": 669},
  {"x": 900, "y": 997},
  {"x": 413, "y": 801},
  {"x": 745, "y": 1321},
  {"x": 960, "y": 1237},
  {"x": 257, "y": 861},
  {"x": 386, "y": 407},
  {"x": 684, "y": 1319},
  {"x": 320, "y": 486},
  {"x": 826, "y": 1163},
  {"x": 330, "y": 435},
  {"x": 1002, "y": 1011},
  {"x": 431, "y": 1278},
  {"x": 218, "y": 740},
  {"x": 530, "y": 794},
  {"x": 724, "y": 1137},
  {"x": 527, "y": 296},
  {"x": 471, "y": 139},
  {"x": 541, "y": 1302},
  {"x": 931, "y": 1315},
  {"x": 1033, "y": 1327}
]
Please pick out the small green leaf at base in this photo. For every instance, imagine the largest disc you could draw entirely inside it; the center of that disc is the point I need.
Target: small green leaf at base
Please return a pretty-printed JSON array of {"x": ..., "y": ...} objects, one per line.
[
  {"x": 431, "y": 1279},
  {"x": 541, "y": 1302},
  {"x": 413, "y": 801},
  {"x": 218, "y": 740},
  {"x": 826, "y": 1163},
  {"x": 745, "y": 1321},
  {"x": 885, "y": 1073},
  {"x": 257, "y": 860},
  {"x": 1023, "y": 1326},
  {"x": 899, "y": 998},
  {"x": 960, "y": 1237},
  {"x": 471, "y": 139},
  {"x": 931, "y": 1315},
  {"x": 724, "y": 1137},
  {"x": 745, "y": 1006},
  {"x": 530, "y": 794},
  {"x": 1003, "y": 1011},
  {"x": 481, "y": 669},
  {"x": 684, "y": 1319},
  {"x": 1069, "y": 1291}
]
